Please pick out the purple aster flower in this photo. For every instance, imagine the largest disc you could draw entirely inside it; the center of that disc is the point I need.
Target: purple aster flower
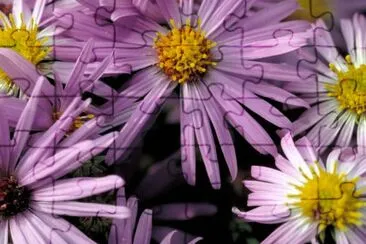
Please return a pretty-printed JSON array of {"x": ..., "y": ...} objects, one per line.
[
  {"x": 161, "y": 178},
  {"x": 335, "y": 88},
  {"x": 29, "y": 29},
  {"x": 208, "y": 57},
  {"x": 57, "y": 99},
  {"x": 33, "y": 39},
  {"x": 309, "y": 196},
  {"x": 32, "y": 195}
]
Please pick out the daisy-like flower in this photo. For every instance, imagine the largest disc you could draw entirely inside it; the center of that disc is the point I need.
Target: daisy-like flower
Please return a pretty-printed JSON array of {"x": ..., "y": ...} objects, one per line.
[
  {"x": 335, "y": 86},
  {"x": 19, "y": 31},
  {"x": 57, "y": 99},
  {"x": 32, "y": 195},
  {"x": 210, "y": 56},
  {"x": 308, "y": 196}
]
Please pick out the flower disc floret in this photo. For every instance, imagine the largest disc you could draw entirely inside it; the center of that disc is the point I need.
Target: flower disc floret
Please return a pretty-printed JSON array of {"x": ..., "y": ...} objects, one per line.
[
  {"x": 330, "y": 199},
  {"x": 184, "y": 53},
  {"x": 14, "y": 198},
  {"x": 350, "y": 91}
]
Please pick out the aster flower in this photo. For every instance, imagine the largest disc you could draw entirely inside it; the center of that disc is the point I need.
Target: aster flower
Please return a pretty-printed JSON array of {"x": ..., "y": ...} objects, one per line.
[
  {"x": 335, "y": 88},
  {"x": 215, "y": 69},
  {"x": 56, "y": 99},
  {"x": 32, "y": 194},
  {"x": 30, "y": 29},
  {"x": 309, "y": 196},
  {"x": 19, "y": 31},
  {"x": 160, "y": 178}
]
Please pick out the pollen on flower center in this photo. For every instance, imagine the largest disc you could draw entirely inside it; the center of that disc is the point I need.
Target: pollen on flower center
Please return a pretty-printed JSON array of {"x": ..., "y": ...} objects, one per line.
[
  {"x": 184, "y": 53},
  {"x": 14, "y": 199},
  {"x": 350, "y": 91},
  {"x": 330, "y": 199},
  {"x": 22, "y": 39},
  {"x": 78, "y": 122}
]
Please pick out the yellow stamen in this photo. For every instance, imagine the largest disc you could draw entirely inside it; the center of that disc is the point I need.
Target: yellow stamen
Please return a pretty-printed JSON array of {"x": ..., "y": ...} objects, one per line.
[
  {"x": 330, "y": 199},
  {"x": 77, "y": 123},
  {"x": 24, "y": 41},
  {"x": 350, "y": 91},
  {"x": 184, "y": 53}
]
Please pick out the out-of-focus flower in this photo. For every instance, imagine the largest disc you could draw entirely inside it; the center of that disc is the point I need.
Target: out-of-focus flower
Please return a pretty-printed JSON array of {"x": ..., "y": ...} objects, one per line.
[
  {"x": 309, "y": 196},
  {"x": 212, "y": 62},
  {"x": 335, "y": 87},
  {"x": 310, "y": 9},
  {"x": 32, "y": 195},
  {"x": 161, "y": 178}
]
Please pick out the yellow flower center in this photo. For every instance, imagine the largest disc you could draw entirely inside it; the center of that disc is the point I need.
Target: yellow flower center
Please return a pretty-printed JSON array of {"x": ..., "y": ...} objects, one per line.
[
  {"x": 77, "y": 123},
  {"x": 24, "y": 41},
  {"x": 330, "y": 199},
  {"x": 184, "y": 53},
  {"x": 350, "y": 91}
]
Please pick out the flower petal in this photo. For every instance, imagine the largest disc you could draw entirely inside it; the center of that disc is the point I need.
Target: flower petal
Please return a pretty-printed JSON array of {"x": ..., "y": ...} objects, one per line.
[
  {"x": 77, "y": 188},
  {"x": 82, "y": 209},
  {"x": 143, "y": 229}
]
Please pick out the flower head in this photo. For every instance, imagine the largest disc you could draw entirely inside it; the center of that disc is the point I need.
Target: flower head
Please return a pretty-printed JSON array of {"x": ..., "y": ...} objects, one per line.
[
  {"x": 309, "y": 196},
  {"x": 31, "y": 191},
  {"x": 336, "y": 88},
  {"x": 19, "y": 31},
  {"x": 204, "y": 55}
]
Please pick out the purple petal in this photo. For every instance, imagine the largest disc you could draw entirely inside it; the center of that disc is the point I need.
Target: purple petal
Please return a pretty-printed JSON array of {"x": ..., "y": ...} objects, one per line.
[
  {"x": 161, "y": 177},
  {"x": 274, "y": 14},
  {"x": 48, "y": 142},
  {"x": 244, "y": 123},
  {"x": 160, "y": 233},
  {"x": 66, "y": 230},
  {"x": 22, "y": 72},
  {"x": 219, "y": 16},
  {"x": 4, "y": 231},
  {"x": 361, "y": 136},
  {"x": 204, "y": 136},
  {"x": 38, "y": 231},
  {"x": 4, "y": 143},
  {"x": 170, "y": 10},
  {"x": 148, "y": 107},
  {"x": 81, "y": 209},
  {"x": 143, "y": 229},
  {"x": 186, "y": 7},
  {"x": 65, "y": 161},
  {"x": 86, "y": 131},
  {"x": 266, "y": 214},
  {"x": 77, "y": 188},
  {"x": 183, "y": 211},
  {"x": 293, "y": 155},
  {"x": 187, "y": 141},
  {"x": 220, "y": 125},
  {"x": 284, "y": 233},
  {"x": 18, "y": 230},
  {"x": 17, "y": 235},
  {"x": 25, "y": 123}
]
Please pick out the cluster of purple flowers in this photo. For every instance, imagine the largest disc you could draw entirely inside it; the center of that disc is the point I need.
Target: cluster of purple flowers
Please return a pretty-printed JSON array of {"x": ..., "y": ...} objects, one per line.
[{"x": 87, "y": 79}]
